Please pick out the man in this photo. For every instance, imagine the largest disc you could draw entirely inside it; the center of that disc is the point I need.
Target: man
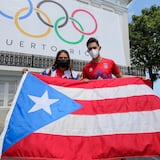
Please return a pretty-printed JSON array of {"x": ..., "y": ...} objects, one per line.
[{"x": 99, "y": 67}]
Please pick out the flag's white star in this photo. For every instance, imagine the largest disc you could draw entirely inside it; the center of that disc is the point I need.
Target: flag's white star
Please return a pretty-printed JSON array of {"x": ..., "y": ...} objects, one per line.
[{"x": 42, "y": 102}]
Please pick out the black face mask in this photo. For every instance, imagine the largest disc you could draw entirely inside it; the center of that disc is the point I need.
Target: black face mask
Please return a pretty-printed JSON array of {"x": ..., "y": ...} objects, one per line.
[{"x": 63, "y": 63}]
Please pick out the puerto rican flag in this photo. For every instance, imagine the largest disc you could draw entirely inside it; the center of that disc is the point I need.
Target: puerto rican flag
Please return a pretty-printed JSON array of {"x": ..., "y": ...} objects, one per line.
[{"x": 54, "y": 118}]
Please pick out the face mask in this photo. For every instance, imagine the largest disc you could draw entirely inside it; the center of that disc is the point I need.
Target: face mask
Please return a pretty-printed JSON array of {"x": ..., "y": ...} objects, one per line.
[
  {"x": 94, "y": 53},
  {"x": 63, "y": 63}
]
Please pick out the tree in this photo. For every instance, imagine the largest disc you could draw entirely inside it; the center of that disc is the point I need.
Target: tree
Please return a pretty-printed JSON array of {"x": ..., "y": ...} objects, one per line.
[{"x": 144, "y": 35}]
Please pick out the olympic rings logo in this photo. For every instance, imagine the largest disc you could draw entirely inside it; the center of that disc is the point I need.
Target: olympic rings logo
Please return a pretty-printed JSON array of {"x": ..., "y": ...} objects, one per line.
[{"x": 48, "y": 22}]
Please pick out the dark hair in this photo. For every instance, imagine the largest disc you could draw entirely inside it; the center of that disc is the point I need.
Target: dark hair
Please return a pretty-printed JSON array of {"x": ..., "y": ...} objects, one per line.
[
  {"x": 91, "y": 40},
  {"x": 56, "y": 59},
  {"x": 57, "y": 56}
]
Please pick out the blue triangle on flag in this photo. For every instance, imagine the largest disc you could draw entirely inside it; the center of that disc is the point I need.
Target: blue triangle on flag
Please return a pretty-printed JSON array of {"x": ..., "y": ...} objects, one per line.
[{"x": 37, "y": 105}]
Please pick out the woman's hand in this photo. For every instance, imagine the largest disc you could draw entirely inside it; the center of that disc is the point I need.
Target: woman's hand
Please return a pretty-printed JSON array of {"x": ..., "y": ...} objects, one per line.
[{"x": 24, "y": 70}]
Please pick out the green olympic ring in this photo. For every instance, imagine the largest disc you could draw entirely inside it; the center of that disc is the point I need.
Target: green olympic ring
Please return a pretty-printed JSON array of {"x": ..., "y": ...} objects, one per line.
[{"x": 64, "y": 40}]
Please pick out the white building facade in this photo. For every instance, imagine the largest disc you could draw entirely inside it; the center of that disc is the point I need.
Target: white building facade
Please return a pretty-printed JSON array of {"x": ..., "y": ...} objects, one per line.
[{"x": 106, "y": 19}]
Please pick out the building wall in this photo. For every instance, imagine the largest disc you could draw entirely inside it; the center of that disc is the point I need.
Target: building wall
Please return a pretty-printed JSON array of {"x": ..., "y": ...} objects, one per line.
[
  {"x": 119, "y": 7},
  {"x": 11, "y": 64}
]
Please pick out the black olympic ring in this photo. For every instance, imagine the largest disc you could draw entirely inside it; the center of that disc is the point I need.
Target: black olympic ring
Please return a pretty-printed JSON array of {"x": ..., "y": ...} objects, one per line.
[{"x": 50, "y": 25}]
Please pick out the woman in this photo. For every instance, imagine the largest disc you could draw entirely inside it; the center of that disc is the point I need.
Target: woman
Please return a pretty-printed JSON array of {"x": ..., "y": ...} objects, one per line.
[{"x": 61, "y": 67}]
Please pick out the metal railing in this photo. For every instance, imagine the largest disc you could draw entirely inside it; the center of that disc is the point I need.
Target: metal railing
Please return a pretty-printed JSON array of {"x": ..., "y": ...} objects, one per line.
[{"x": 39, "y": 61}]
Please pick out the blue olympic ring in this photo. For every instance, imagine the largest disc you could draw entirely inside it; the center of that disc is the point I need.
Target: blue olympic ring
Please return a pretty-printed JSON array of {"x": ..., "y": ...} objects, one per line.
[{"x": 22, "y": 17}]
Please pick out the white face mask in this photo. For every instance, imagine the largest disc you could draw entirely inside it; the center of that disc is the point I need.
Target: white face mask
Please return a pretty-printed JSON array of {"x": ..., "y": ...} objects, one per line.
[{"x": 94, "y": 53}]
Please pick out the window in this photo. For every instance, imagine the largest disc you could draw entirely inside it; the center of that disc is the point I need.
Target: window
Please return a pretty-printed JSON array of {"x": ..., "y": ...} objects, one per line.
[{"x": 7, "y": 92}]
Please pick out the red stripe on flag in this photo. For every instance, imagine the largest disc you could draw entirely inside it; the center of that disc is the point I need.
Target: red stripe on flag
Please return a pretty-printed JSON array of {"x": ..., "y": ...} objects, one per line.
[
  {"x": 92, "y": 83},
  {"x": 86, "y": 148},
  {"x": 128, "y": 104}
]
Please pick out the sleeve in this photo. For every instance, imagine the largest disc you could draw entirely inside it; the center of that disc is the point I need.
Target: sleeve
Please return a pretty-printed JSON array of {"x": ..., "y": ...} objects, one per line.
[
  {"x": 115, "y": 69},
  {"x": 84, "y": 72},
  {"x": 46, "y": 72}
]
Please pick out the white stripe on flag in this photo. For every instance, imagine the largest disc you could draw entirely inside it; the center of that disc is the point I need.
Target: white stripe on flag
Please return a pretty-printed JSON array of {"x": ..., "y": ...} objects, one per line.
[
  {"x": 105, "y": 124},
  {"x": 105, "y": 93}
]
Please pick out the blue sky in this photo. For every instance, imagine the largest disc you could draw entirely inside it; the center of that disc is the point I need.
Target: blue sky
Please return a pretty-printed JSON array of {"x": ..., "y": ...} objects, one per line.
[{"x": 134, "y": 8}]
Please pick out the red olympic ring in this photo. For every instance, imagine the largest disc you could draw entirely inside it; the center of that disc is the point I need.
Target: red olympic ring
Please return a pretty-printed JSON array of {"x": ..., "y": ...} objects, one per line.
[{"x": 86, "y": 33}]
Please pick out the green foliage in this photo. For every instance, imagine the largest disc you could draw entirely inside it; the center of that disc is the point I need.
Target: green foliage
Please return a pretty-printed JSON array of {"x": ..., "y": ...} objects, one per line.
[{"x": 144, "y": 35}]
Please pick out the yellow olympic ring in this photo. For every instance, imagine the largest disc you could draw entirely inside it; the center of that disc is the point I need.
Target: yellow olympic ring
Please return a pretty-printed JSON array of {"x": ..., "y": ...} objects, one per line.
[{"x": 28, "y": 34}]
